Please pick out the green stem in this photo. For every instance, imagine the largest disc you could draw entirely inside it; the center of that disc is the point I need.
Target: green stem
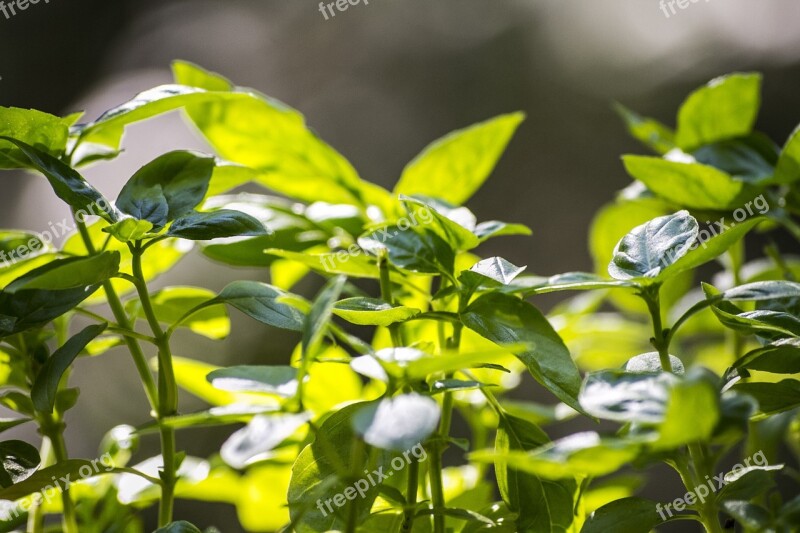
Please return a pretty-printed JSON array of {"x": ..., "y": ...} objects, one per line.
[
  {"x": 437, "y": 487},
  {"x": 122, "y": 319},
  {"x": 53, "y": 430},
  {"x": 707, "y": 510},
  {"x": 386, "y": 295},
  {"x": 167, "y": 392},
  {"x": 661, "y": 337},
  {"x": 411, "y": 496},
  {"x": 36, "y": 514}
]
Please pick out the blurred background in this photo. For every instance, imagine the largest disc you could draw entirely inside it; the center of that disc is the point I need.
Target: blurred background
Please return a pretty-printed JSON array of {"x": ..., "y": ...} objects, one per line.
[{"x": 379, "y": 82}]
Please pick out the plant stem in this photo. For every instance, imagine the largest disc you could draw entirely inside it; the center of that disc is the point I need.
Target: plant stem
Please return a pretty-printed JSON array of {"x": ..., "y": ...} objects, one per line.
[
  {"x": 411, "y": 496},
  {"x": 707, "y": 510},
  {"x": 437, "y": 486},
  {"x": 53, "y": 430},
  {"x": 386, "y": 295},
  {"x": 660, "y": 335},
  {"x": 122, "y": 319},
  {"x": 36, "y": 514},
  {"x": 167, "y": 392}
]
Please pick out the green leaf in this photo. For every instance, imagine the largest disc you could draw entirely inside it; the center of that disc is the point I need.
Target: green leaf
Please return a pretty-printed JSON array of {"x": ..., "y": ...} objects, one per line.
[
  {"x": 493, "y": 271},
  {"x": 751, "y": 159},
  {"x": 324, "y": 468},
  {"x": 279, "y": 380},
  {"x": 695, "y": 394},
  {"x": 19, "y": 460},
  {"x": 650, "y": 362},
  {"x": 290, "y": 158},
  {"x": 454, "y": 225},
  {"x": 580, "y": 454},
  {"x": 454, "y": 167},
  {"x": 773, "y": 397},
  {"x": 181, "y": 526},
  {"x": 627, "y": 397},
  {"x": 69, "y": 273},
  {"x": 504, "y": 319},
  {"x": 171, "y": 304},
  {"x": 631, "y": 515},
  {"x": 496, "y": 228},
  {"x": 648, "y": 131},
  {"x": 753, "y": 517},
  {"x": 652, "y": 247},
  {"x": 372, "y": 312},
  {"x": 109, "y": 128},
  {"x": 167, "y": 188},
  {"x": 746, "y": 482},
  {"x": 541, "y": 504},
  {"x": 690, "y": 185},
  {"x": 36, "y": 307},
  {"x": 261, "y": 435},
  {"x": 763, "y": 291},
  {"x": 570, "y": 281},
  {"x": 424, "y": 252},
  {"x": 129, "y": 229},
  {"x": 263, "y": 303},
  {"x": 43, "y": 392},
  {"x": 725, "y": 108},
  {"x": 397, "y": 423},
  {"x": 703, "y": 251},
  {"x": 787, "y": 170},
  {"x": 216, "y": 225},
  {"x": 316, "y": 323},
  {"x": 46, "y": 132},
  {"x": 67, "y": 183},
  {"x": 780, "y": 357},
  {"x": 44, "y": 478},
  {"x": 343, "y": 262}
]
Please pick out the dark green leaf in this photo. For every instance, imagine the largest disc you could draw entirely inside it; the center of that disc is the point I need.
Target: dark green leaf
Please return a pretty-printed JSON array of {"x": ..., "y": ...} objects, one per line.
[
  {"x": 773, "y": 397},
  {"x": 316, "y": 323},
  {"x": 215, "y": 225},
  {"x": 20, "y": 460},
  {"x": 751, "y": 158},
  {"x": 504, "y": 319},
  {"x": 262, "y": 302},
  {"x": 168, "y": 187},
  {"x": 44, "y": 388},
  {"x": 780, "y": 357},
  {"x": 631, "y": 515},
  {"x": 751, "y": 516},
  {"x": 67, "y": 183},
  {"x": 424, "y": 252},
  {"x": 36, "y": 307},
  {"x": 538, "y": 502},
  {"x": 181, "y": 526}
]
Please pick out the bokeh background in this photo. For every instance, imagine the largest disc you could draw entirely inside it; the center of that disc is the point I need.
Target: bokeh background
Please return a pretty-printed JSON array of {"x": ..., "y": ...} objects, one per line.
[{"x": 379, "y": 82}]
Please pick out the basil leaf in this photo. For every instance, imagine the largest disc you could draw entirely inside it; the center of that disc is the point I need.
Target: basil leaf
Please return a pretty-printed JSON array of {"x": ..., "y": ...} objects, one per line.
[{"x": 262, "y": 302}]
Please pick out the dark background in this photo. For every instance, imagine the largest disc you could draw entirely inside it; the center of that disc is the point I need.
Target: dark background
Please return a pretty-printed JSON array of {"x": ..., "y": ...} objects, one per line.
[{"x": 379, "y": 82}]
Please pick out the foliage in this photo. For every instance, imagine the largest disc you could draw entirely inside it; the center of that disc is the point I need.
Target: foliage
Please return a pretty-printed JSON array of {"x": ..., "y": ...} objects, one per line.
[{"x": 410, "y": 329}]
